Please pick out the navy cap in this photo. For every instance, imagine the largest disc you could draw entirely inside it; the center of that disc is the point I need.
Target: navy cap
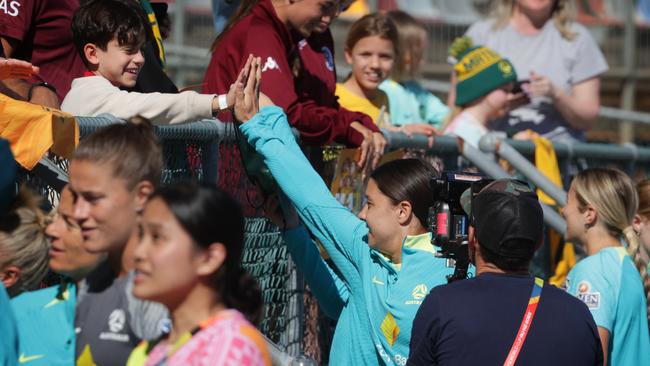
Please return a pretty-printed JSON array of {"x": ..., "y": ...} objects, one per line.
[{"x": 507, "y": 217}]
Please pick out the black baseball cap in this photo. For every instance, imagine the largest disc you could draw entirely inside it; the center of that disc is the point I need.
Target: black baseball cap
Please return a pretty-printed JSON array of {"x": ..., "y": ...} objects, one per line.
[{"x": 507, "y": 217}]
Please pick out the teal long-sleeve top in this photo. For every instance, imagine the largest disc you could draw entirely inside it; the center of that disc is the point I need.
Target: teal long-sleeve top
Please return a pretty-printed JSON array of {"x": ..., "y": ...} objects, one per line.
[
  {"x": 374, "y": 326},
  {"x": 325, "y": 284},
  {"x": 46, "y": 325},
  {"x": 411, "y": 103}
]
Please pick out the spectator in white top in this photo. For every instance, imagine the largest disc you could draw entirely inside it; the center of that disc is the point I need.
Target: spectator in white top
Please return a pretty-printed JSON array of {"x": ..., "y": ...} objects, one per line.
[
  {"x": 109, "y": 36},
  {"x": 558, "y": 57}
]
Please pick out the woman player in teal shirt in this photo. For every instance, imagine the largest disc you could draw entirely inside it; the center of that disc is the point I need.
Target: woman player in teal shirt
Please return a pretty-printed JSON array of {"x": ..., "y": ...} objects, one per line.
[
  {"x": 384, "y": 257},
  {"x": 612, "y": 280}
]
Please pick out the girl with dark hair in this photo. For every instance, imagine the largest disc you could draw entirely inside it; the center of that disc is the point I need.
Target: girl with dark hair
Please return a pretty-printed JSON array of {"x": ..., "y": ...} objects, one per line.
[
  {"x": 384, "y": 257},
  {"x": 189, "y": 259}
]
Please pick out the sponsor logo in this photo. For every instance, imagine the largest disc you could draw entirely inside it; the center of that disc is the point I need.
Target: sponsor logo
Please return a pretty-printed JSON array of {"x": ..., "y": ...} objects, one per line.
[
  {"x": 107, "y": 336},
  {"x": 399, "y": 359},
  {"x": 10, "y": 7},
  {"x": 584, "y": 286},
  {"x": 270, "y": 64},
  {"x": 376, "y": 281},
  {"x": 329, "y": 58},
  {"x": 25, "y": 359},
  {"x": 591, "y": 299}
]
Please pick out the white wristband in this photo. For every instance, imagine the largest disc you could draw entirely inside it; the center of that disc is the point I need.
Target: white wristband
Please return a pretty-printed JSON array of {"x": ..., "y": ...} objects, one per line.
[{"x": 223, "y": 101}]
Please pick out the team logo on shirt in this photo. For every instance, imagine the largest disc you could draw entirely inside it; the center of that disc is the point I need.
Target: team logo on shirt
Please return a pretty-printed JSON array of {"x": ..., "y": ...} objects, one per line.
[
  {"x": 419, "y": 292},
  {"x": 116, "y": 323},
  {"x": 329, "y": 58},
  {"x": 302, "y": 44},
  {"x": 591, "y": 299},
  {"x": 116, "y": 320},
  {"x": 9, "y": 7},
  {"x": 270, "y": 64}
]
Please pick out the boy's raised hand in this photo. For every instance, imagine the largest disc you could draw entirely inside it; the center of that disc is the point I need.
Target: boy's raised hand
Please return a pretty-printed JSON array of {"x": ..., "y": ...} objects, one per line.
[
  {"x": 247, "y": 97},
  {"x": 241, "y": 80}
]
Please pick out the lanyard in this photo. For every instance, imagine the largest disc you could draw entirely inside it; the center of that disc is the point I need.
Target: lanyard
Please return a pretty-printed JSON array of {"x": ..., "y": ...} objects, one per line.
[{"x": 525, "y": 323}]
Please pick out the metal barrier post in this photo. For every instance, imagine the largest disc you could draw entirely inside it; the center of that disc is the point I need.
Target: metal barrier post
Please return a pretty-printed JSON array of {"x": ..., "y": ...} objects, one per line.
[
  {"x": 551, "y": 217},
  {"x": 493, "y": 143}
]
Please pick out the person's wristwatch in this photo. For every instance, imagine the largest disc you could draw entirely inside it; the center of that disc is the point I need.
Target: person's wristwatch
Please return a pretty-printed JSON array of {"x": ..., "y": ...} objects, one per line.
[
  {"x": 40, "y": 83},
  {"x": 223, "y": 102}
]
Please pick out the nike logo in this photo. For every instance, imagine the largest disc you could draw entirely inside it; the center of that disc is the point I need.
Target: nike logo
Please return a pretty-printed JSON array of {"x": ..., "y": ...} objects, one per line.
[
  {"x": 25, "y": 359},
  {"x": 376, "y": 281},
  {"x": 64, "y": 296}
]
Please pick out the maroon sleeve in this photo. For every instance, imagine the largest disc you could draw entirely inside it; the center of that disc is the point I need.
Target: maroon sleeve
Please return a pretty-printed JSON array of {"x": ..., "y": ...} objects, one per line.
[
  {"x": 16, "y": 18},
  {"x": 362, "y": 118},
  {"x": 317, "y": 124}
]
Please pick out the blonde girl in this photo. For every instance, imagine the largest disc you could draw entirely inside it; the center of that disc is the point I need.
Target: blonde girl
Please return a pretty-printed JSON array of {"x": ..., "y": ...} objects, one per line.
[
  {"x": 370, "y": 50},
  {"x": 413, "y": 107},
  {"x": 612, "y": 280}
]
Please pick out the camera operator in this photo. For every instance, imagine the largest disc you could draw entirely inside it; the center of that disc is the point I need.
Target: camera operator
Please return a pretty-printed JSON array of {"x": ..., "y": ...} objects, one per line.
[{"x": 503, "y": 315}]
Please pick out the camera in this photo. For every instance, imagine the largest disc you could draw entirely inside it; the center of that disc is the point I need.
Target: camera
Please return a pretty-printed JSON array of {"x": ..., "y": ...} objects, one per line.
[{"x": 448, "y": 222}]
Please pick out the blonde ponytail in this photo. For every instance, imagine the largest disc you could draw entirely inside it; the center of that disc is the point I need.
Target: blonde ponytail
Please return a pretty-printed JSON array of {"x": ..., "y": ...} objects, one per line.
[{"x": 633, "y": 250}]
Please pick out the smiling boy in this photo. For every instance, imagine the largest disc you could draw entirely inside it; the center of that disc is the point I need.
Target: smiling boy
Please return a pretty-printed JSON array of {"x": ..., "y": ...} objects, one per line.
[{"x": 109, "y": 36}]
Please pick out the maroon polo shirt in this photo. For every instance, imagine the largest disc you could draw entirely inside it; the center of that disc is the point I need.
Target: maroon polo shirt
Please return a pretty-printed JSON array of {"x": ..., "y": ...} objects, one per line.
[
  {"x": 43, "y": 31},
  {"x": 318, "y": 75}
]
